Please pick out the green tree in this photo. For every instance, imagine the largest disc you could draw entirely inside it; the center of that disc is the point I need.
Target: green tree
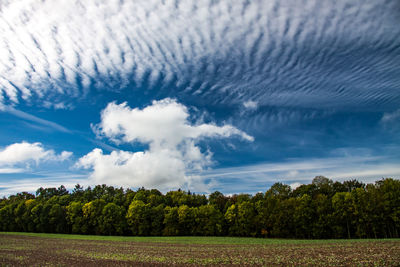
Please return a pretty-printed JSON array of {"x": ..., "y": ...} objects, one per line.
[
  {"x": 209, "y": 221},
  {"x": 171, "y": 221},
  {"x": 57, "y": 219},
  {"x": 138, "y": 218},
  {"x": 390, "y": 191},
  {"x": 75, "y": 218},
  {"x": 322, "y": 226},
  {"x": 304, "y": 216},
  {"x": 92, "y": 213},
  {"x": 342, "y": 204},
  {"x": 7, "y": 222},
  {"x": 19, "y": 217},
  {"x": 187, "y": 220},
  {"x": 28, "y": 216},
  {"x": 157, "y": 220},
  {"x": 241, "y": 219},
  {"x": 280, "y": 190},
  {"x": 113, "y": 219},
  {"x": 361, "y": 215}
]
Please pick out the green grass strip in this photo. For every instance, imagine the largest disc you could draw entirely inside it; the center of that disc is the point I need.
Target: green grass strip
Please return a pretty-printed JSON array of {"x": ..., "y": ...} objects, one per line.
[{"x": 215, "y": 240}]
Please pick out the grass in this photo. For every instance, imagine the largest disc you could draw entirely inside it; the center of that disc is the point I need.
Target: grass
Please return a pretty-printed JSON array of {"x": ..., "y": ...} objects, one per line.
[{"x": 214, "y": 240}]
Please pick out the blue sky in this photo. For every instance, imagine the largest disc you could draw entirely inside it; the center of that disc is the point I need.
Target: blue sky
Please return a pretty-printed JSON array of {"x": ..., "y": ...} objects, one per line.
[{"x": 200, "y": 95}]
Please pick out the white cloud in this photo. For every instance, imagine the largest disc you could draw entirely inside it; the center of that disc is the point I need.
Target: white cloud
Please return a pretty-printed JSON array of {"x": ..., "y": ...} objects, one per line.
[
  {"x": 26, "y": 116},
  {"x": 295, "y": 185},
  {"x": 63, "y": 156},
  {"x": 241, "y": 49},
  {"x": 164, "y": 123},
  {"x": 294, "y": 172},
  {"x": 161, "y": 169},
  {"x": 391, "y": 117},
  {"x": 25, "y": 153},
  {"x": 11, "y": 170},
  {"x": 172, "y": 156},
  {"x": 49, "y": 179},
  {"x": 250, "y": 104}
]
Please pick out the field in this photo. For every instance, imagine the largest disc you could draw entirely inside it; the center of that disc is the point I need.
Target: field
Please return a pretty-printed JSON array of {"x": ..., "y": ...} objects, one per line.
[{"x": 26, "y": 249}]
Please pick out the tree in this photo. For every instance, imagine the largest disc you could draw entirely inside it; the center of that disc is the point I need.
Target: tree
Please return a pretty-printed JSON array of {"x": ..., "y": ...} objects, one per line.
[
  {"x": 28, "y": 217},
  {"x": 343, "y": 213},
  {"x": 45, "y": 219},
  {"x": 57, "y": 219},
  {"x": 75, "y": 218},
  {"x": 323, "y": 185},
  {"x": 322, "y": 226},
  {"x": 171, "y": 221},
  {"x": 390, "y": 191},
  {"x": 20, "y": 221},
  {"x": 157, "y": 220},
  {"x": 77, "y": 193},
  {"x": 187, "y": 220},
  {"x": 280, "y": 190},
  {"x": 241, "y": 219},
  {"x": 209, "y": 221},
  {"x": 231, "y": 217},
  {"x": 176, "y": 198},
  {"x": 282, "y": 217},
  {"x": 113, "y": 219},
  {"x": 7, "y": 222},
  {"x": 350, "y": 185},
  {"x": 304, "y": 216},
  {"x": 321, "y": 209},
  {"x": 92, "y": 213},
  {"x": 138, "y": 218}
]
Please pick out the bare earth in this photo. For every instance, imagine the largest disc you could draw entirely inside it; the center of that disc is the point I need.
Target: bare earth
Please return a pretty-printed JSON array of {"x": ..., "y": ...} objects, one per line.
[{"x": 19, "y": 250}]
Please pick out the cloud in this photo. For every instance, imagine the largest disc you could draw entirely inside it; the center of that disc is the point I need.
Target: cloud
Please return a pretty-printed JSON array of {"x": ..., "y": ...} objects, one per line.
[
  {"x": 391, "y": 117},
  {"x": 322, "y": 54},
  {"x": 250, "y": 104},
  {"x": 11, "y": 170},
  {"x": 50, "y": 179},
  {"x": 294, "y": 172},
  {"x": 164, "y": 123},
  {"x": 26, "y": 116},
  {"x": 173, "y": 154},
  {"x": 22, "y": 154},
  {"x": 295, "y": 185}
]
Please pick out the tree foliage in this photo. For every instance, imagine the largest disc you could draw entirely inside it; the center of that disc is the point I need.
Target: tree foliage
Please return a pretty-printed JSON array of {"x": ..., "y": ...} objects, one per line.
[{"x": 321, "y": 209}]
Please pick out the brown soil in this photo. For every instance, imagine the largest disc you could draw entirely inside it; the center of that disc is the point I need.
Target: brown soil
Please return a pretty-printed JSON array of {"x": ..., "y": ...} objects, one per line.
[{"x": 18, "y": 250}]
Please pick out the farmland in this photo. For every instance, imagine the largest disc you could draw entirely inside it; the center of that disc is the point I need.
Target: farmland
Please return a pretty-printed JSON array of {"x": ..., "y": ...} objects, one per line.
[{"x": 22, "y": 249}]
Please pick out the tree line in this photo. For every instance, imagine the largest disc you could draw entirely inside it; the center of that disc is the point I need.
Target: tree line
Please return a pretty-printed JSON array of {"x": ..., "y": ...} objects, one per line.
[{"x": 321, "y": 209}]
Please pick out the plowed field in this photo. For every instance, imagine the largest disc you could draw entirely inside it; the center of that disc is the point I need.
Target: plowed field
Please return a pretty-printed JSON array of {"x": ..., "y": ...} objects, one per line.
[{"x": 51, "y": 250}]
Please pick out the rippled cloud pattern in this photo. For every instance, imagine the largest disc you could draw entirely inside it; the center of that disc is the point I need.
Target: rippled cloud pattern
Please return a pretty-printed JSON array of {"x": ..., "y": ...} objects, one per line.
[{"x": 324, "y": 54}]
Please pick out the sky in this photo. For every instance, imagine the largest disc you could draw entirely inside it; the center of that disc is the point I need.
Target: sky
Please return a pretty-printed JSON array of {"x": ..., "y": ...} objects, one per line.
[{"x": 206, "y": 95}]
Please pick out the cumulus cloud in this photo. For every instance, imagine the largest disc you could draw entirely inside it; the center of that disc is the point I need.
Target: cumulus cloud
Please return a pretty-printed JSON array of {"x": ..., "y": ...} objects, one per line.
[
  {"x": 173, "y": 156},
  {"x": 23, "y": 154},
  {"x": 323, "y": 54},
  {"x": 164, "y": 123}
]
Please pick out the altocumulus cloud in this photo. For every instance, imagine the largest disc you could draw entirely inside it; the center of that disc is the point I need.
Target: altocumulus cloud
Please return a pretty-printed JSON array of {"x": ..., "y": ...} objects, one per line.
[
  {"x": 283, "y": 53},
  {"x": 17, "y": 157},
  {"x": 173, "y": 155}
]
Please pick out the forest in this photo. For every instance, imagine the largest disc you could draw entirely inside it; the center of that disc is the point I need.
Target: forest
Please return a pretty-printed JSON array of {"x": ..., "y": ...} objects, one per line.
[{"x": 319, "y": 210}]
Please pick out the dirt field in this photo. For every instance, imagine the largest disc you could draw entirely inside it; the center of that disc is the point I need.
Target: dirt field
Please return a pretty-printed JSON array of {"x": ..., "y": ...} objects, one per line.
[{"x": 21, "y": 250}]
